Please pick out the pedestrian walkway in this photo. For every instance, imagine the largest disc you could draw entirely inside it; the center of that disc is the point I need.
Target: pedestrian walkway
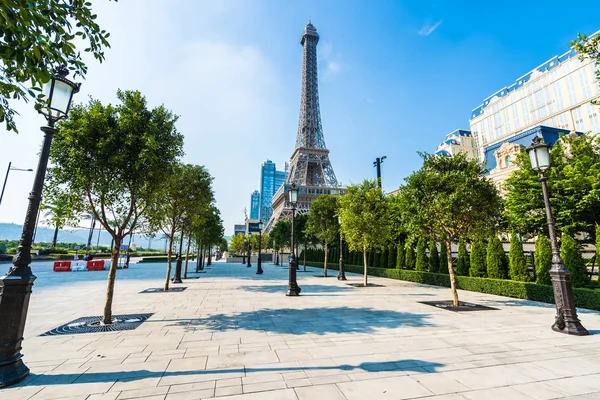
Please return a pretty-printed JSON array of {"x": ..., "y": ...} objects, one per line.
[{"x": 234, "y": 335}]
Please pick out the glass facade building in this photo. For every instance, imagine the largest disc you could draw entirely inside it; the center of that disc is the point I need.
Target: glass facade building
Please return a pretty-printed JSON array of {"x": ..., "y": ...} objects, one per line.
[
  {"x": 270, "y": 181},
  {"x": 254, "y": 204}
]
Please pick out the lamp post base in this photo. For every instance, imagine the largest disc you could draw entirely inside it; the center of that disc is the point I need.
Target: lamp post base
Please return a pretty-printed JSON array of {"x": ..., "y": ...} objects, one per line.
[
  {"x": 566, "y": 313},
  {"x": 259, "y": 269},
  {"x": 15, "y": 291}
]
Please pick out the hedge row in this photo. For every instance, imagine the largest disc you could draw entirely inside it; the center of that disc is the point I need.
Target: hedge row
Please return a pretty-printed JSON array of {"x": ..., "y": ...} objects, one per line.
[{"x": 584, "y": 298}]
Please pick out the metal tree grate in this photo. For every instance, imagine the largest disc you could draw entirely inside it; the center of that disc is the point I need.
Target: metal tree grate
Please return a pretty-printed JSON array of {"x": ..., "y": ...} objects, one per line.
[
  {"x": 162, "y": 290},
  {"x": 93, "y": 324},
  {"x": 463, "y": 306},
  {"x": 362, "y": 285}
]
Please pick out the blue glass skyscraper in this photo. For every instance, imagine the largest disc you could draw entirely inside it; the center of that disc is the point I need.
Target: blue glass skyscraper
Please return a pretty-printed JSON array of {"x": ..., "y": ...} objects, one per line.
[
  {"x": 254, "y": 204},
  {"x": 270, "y": 181}
]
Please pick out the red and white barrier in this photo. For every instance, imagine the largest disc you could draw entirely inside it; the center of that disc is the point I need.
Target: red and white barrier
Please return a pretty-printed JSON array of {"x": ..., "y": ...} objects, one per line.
[
  {"x": 68, "y": 266},
  {"x": 96, "y": 265},
  {"x": 62, "y": 266}
]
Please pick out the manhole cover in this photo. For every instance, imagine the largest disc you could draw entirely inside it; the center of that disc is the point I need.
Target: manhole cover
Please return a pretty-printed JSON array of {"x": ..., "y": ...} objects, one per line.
[
  {"x": 463, "y": 306},
  {"x": 94, "y": 324},
  {"x": 162, "y": 290}
]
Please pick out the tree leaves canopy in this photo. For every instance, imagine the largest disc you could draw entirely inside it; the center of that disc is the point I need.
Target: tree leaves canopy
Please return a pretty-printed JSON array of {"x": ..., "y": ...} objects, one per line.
[{"x": 323, "y": 218}]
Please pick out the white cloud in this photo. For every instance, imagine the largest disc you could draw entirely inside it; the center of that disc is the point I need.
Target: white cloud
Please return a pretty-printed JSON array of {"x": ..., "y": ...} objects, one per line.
[{"x": 429, "y": 28}]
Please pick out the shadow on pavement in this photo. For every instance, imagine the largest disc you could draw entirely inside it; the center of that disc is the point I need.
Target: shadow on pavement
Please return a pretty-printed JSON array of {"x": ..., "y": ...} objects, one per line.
[{"x": 306, "y": 289}]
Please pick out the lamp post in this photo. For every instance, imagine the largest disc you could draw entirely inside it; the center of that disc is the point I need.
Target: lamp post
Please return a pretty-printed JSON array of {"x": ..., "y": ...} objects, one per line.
[
  {"x": 249, "y": 250},
  {"x": 15, "y": 286},
  {"x": 293, "y": 288},
  {"x": 566, "y": 313},
  {"x": 244, "y": 251},
  {"x": 10, "y": 168},
  {"x": 377, "y": 163},
  {"x": 259, "y": 270},
  {"x": 341, "y": 275},
  {"x": 177, "y": 277}
]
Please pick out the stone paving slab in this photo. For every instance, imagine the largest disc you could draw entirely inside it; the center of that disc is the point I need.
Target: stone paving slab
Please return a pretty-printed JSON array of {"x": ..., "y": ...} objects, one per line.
[{"x": 235, "y": 335}]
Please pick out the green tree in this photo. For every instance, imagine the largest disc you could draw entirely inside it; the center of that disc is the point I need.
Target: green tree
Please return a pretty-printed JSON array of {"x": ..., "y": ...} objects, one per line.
[
  {"x": 462, "y": 260},
  {"x": 113, "y": 160},
  {"x": 57, "y": 212},
  {"x": 478, "y": 266},
  {"x": 597, "y": 259},
  {"x": 364, "y": 215},
  {"x": 392, "y": 256},
  {"x": 323, "y": 223},
  {"x": 281, "y": 234},
  {"x": 449, "y": 198},
  {"x": 434, "y": 257},
  {"x": 496, "y": 259},
  {"x": 543, "y": 260},
  {"x": 236, "y": 246},
  {"x": 421, "y": 263},
  {"x": 443, "y": 258},
  {"x": 410, "y": 259},
  {"x": 400, "y": 253},
  {"x": 516, "y": 260},
  {"x": 38, "y": 37},
  {"x": 570, "y": 252}
]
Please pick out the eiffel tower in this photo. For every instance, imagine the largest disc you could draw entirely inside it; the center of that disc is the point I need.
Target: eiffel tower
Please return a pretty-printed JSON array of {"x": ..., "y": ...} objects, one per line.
[{"x": 310, "y": 168}]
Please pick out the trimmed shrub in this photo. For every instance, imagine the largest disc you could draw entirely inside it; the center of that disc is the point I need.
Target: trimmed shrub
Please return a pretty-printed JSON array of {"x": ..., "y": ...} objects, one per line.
[
  {"x": 517, "y": 265},
  {"x": 443, "y": 258},
  {"x": 400, "y": 253},
  {"x": 496, "y": 259},
  {"x": 392, "y": 257},
  {"x": 434, "y": 257},
  {"x": 421, "y": 262},
  {"x": 462, "y": 262},
  {"x": 570, "y": 251},
  {"x": 543, "y": 260},
  {"x": 376, "y": 259},
  {"x": 409, "y": 257},
  {"x": 478, "y": 259},
  {"x": 383, "y": 260}
]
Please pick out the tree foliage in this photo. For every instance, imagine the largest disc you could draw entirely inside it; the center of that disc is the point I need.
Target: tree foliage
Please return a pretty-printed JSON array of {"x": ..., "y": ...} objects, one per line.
[
  {"x": 38, "y": 37},
  {"x": 462, "y": 259},
  {"x": 323, "y": 223},
  {"x": 570, "y": 252},
  {"x": 517, "y": 265},
  {"x": 496, "y": 259},
  {"x": 410, "y": 258},
  {"x": 421, "y": 263},
  {"x": 543, "y": 260},
  {"x": 477, "y": 267},
  {"x": 400, "y": 261},
  {"x": 281, "y": 234},
  {"x": 434, "y": 257},
  {"x": 112, "y": 160}
]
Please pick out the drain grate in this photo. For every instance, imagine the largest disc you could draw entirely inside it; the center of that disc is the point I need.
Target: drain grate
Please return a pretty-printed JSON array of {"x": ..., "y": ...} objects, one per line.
[
  {"x": 463, "y": 306},
  {"x": 126, "y": 322},
  {"x": 162, "y": 290}
]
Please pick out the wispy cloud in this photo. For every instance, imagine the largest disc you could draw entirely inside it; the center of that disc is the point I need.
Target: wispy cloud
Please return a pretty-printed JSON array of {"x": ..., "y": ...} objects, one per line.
[
  {"x": 429, "y": 28},
  {"x": 330, "y": 61}
]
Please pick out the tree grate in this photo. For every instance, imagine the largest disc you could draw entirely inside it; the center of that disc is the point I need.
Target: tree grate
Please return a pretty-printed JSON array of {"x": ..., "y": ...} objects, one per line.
[
  {"x": 463, "y": 306},
  {"x": 362, "y": 285},
  {"x": 93, "y": 324},
  {"x": 162, "y": 290},
  {"x": 322, "y": 276}
]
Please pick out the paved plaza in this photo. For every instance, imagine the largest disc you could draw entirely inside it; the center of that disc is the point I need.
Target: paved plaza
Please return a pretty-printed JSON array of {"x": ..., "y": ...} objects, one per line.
[{"x": 233, "y": 335}]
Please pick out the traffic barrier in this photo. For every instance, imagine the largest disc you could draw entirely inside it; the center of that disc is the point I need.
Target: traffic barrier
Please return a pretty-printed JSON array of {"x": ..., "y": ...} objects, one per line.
[
  {"x": 96, "y": 265},
  {"x": 62, "y": 266},
  {"x": 78, "y": 266}
]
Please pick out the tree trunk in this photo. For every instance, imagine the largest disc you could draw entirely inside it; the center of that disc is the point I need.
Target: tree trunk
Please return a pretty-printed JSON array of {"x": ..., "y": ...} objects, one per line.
[
  {"x": 199, "y": 249},
  {"x": 169, "y": 254},
  {"x": 202, "y": 258},
  {"x": 187, "y": 253},
  {"x": 89, "y": 242},
  {"x": 55, "y": 236},
  {"x": 325, "y": 262},
  {"x": 304, "y": 257},
  {"x": 365, "y": 264},
  {"x": 110, "y": 285},
  {"x": 209, "y": 262},
  {"x": 451, "y": 273}
]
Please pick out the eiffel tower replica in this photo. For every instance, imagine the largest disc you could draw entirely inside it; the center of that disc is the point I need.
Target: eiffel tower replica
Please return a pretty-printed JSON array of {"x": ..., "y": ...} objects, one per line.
[{"x": 309, "y": 166}]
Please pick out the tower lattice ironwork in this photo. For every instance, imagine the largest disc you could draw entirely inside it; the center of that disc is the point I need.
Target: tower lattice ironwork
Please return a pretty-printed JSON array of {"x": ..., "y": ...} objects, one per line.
[{"x": 310, "y": 168}]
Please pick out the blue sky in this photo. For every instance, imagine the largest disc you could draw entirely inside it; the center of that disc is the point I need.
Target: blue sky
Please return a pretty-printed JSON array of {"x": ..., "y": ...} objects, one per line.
[{"x": 395, "y": 77}]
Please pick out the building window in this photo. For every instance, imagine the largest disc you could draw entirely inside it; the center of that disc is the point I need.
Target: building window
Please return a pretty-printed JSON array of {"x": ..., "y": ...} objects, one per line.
[{"x": 509, "y": 161}]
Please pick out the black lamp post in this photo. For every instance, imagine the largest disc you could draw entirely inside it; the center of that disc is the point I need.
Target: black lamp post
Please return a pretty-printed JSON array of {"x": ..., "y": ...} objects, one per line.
[
  {"x": 15, "y": 286},
  {"x": 244, "y": 251},
  {"x": 249, "y": 250},
  {"x": 11, "y": 168},
  {"x": 293, "y": 288},
  {"x": 259, "y": 270},
  {"x": 177, "y": 277},
  {"x": 377, "y": 163},
  {"x": 341, "y": 275},
  {"x": 566, "y": 313}
]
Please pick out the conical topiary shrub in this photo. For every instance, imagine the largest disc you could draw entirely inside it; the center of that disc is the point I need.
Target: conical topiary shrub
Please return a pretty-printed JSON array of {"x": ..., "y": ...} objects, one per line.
[
  {"x": 495, "y": 259},
  {"x": 462, "y": 261},
  {"x": 543, "y": 260},
  {"x": 392, "y": 257},
  {"x": 443, "y": 258},
  {"x": 400, "y": 253},
  {"x": 570, "y": 251},
  {"x": 477, "y": 266},
  {"x": 421, "y": 262},
  {"x": 434, "y": 257},
  {"x": 517, "y": 266},
  {"x": 409, "y": 258}
]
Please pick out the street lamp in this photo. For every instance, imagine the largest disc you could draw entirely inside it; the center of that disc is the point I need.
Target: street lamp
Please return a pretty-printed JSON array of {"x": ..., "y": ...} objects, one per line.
[
  {"x": 10, "y": 168},
  {"x": 249, "y": 250},
  {"x": 244, "y": 250},
  {"x": 566, "y": 313},
  {"x": 293, "y": 288},
  {"x": 259, "y": 270},
  {"x": 15, "y": 286},
  {"x": 377, "y": 163},
  {"x": 341, "y": 275}
]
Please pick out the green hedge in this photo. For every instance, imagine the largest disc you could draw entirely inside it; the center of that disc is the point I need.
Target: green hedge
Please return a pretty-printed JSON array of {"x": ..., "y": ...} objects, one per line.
[{"x": 584, "y": 298}]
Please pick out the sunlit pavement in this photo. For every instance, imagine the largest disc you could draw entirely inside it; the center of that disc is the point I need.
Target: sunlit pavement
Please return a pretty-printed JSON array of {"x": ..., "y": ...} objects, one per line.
[{"x": 234, "y": 334}]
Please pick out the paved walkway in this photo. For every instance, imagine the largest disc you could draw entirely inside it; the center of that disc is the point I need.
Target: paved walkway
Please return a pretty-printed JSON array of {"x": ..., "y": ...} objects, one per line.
[{"x": 235, "y": 335}]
